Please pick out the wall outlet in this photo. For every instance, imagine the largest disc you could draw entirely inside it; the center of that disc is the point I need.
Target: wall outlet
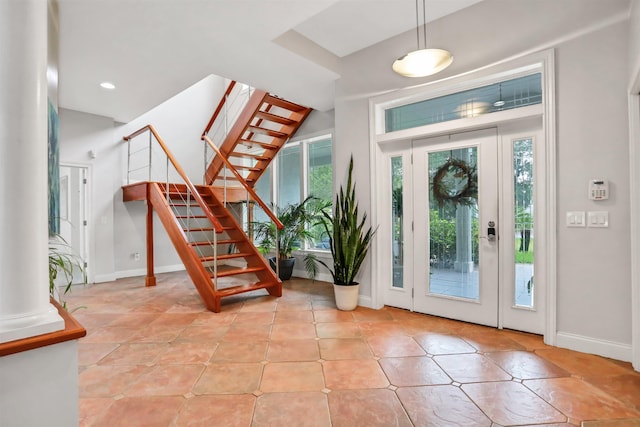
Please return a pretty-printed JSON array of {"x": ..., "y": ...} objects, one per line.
[{"x": 136, "y": 256}]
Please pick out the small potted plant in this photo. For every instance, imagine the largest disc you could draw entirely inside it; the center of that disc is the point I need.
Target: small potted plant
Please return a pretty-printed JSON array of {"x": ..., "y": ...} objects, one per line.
[
  {"x": 63, "y": 263},
  {"x": 349, "y": 242},
  {"x": 296, "y": 219}
]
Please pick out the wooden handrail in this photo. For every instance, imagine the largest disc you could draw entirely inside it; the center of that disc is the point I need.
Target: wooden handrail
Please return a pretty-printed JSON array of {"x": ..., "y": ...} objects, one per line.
[
  {"x": 214, "y": 221},
  {"x": 250, "y": 190},
  {"x": 238, "y": 129},
  {"x": 219, "y": 107}
]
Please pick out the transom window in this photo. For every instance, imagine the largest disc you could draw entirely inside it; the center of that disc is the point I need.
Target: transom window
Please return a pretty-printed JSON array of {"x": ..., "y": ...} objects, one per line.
[{"x": 505, "y": 95}]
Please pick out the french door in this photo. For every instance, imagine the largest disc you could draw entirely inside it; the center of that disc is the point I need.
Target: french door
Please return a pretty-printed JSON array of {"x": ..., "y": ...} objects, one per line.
[{"x": 462, "y": 228}]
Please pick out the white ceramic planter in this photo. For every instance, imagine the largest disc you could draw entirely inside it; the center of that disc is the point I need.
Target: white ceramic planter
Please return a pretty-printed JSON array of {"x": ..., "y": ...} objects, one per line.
[{"x": 346, "y": 296}]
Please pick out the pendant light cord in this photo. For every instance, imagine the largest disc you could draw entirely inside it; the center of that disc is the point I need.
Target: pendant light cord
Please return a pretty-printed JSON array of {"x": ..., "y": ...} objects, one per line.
[
  {"x": 424, "y": 20},
  {"x": 417, "y": 27},
  {"x": 424, "y": 24}
]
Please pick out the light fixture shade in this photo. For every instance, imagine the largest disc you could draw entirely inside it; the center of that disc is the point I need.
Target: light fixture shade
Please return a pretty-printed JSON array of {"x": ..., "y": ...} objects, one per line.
[{"x": 423, "y": 62}]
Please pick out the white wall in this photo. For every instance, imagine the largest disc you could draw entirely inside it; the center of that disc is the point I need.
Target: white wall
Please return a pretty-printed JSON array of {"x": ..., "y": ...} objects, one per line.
[
  {"x": 179, "y": 122},
  {"x": 593, "y": 264},
  {"x": 81, "y": 133},
  {"x": 117, "y": 230},
  {"x": 591, "y": 63},
  {"x": 634, "y": 157},
  {"x": 40, "y": 387},
  {"x": 634, "y": 38},
  {"x": 315, "y": 123}
]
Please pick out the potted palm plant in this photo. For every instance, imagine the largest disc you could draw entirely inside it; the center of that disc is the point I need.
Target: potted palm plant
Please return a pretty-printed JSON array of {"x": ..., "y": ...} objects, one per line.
[
  {"x": 296, "y": 219},
  {"x": 349, "y": 242}
]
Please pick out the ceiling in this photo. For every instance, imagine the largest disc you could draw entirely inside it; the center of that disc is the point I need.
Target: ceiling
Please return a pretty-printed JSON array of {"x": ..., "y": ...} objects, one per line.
[{"x": 153, "y": 49}]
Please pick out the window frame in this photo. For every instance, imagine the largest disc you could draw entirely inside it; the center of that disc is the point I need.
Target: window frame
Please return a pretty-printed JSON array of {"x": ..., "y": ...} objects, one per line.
[{"x": 304, "y": 142}]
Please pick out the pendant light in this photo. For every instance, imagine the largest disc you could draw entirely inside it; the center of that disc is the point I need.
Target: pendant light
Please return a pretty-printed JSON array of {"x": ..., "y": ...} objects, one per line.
[{"x": 422, "y": 62}]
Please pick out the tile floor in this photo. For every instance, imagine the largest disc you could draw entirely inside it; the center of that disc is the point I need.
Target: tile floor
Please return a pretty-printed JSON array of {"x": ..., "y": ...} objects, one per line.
[{"x": 155, "y": 357}]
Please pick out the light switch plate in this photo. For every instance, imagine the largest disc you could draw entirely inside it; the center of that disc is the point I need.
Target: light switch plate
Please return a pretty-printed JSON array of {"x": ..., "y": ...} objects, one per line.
[
  {"x": 598, "y": 219},
  {"x": 575, "y": 219}
]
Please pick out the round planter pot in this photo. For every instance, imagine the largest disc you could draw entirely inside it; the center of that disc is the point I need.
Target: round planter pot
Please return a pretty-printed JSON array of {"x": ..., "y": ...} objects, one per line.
[
  {"x": 284, "y": 265},
  {"x": 346, "y": 296}
]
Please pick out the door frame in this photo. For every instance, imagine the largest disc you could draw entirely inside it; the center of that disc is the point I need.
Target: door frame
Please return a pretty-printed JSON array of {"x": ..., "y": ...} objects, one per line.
[
  {"x": 485, "y": 308},
  {"x": 542, "y": 62},
  {"x": 634, "y": 171},
  {"x": 89, "y": 232}
]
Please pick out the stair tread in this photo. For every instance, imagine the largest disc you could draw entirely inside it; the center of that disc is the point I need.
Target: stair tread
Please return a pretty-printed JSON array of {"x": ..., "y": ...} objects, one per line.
[
  {"x": 283, "y": 103},
  {"x": 238, "y": 271},
  {"x": 251, "y": 155},
  {"x": 245, "y": 167},
  {"x": 233, "y": 290},
  {"x": 227, "y": 256},
  {"x": 219, "y": 242},
  {"x": 201, "y": 229},
  {"x": 275, "y": 118},
  {"x": 233, "y": 178},
  {"x": 265, "y": 131},
  {"x": 262, "y": 144}
]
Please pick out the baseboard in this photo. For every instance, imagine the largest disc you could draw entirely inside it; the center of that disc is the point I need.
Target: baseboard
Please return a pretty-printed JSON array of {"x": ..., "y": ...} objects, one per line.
[
  {"x": 321, "y": 277},
  {"x": 101, "y": 278},
  {"x": 365, "y": 301},
  {"x": 611, "y": 349},
  {"x": 143, "y": 271}
]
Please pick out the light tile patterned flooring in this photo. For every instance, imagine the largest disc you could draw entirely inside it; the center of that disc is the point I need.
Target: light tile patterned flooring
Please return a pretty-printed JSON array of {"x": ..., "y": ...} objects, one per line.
[{"x": 156, "y": 357}]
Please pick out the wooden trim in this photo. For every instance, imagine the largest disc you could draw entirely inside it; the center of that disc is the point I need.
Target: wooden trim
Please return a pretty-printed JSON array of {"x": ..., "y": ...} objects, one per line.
[
  {"x": 73, "y": 330},
  {"x": 133, "y": 192},
  {"x": 150, "y": 280}
]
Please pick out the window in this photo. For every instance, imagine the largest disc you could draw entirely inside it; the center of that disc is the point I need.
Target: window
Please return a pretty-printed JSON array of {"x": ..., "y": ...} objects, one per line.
[
  {"x": 289, "y": 172},
  {"x": 505, "y": 95},
  {"x": 302, "y": 168}
]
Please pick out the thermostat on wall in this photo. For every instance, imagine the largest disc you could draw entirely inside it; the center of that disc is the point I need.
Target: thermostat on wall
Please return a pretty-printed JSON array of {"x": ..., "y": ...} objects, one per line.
[{"x": 598, "y": 189}]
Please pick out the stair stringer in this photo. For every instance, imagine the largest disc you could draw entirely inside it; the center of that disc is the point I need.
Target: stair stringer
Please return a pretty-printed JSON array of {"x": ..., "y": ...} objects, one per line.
[
  {"x": 238, "y": 129},
  {"x": 189, "y": 258},
  {"x": 267, "y": 276},
  {"x": 253, "y": 115}
]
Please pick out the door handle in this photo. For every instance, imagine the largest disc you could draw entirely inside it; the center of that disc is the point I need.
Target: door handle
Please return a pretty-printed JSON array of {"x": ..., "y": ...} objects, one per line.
[{"x": 491, "y": 231}]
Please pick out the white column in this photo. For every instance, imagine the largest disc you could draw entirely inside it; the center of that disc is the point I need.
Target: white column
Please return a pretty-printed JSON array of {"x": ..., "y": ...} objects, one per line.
[{"x": 25, "y": 310}]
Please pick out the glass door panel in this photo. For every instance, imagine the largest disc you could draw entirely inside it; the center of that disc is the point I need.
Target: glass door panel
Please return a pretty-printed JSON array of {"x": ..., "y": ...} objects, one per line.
[
  {"x": 524, "y": 218},
  {"x": 397, "y": 229},
  {"x": 396, "y": 232},
  {"x": 453, "y": 223},
  {"x": 455, "y": 205},
  {"x": 522, "y": 297}
]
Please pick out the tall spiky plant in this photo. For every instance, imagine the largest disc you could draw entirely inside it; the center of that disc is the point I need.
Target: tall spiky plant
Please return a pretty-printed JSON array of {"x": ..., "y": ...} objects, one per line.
[{"x": 349, "y": 241}]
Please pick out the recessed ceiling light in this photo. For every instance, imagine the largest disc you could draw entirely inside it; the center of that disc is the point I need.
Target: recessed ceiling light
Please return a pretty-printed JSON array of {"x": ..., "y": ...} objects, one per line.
[{"x": 107, "y": 85}]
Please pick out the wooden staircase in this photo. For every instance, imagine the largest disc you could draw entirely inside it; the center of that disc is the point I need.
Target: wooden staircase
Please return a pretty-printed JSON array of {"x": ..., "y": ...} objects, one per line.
[
  {"x": 264, "y": 126},
  {"x": 199, "y": 218},
  {"x": 199, "y": 245}
]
